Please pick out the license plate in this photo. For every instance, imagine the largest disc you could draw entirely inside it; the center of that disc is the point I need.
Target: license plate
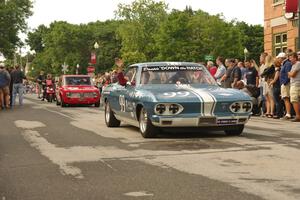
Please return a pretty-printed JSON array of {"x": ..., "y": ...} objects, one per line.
[{"x": 226, "y": 121}]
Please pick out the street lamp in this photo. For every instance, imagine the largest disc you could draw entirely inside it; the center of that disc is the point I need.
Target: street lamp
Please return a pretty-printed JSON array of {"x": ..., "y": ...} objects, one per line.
[
  {"x": 245, "y": 53},
  {"x": 77, "y": 68},
  {"x": 96, "y": 45}
]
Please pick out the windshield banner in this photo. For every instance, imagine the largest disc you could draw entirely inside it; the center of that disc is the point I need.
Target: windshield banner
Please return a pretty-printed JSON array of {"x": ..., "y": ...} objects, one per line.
[{"x": 173, "y": 68}]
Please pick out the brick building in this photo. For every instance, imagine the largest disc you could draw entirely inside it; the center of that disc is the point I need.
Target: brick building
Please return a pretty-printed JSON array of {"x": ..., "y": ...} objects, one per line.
[{"x": 280, "y": 32}]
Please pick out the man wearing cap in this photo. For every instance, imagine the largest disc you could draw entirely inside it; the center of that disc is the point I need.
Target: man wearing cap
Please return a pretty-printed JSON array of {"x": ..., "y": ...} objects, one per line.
[
  {"x": 285, "y": 83},
  {"x": 4, "y": 86}
]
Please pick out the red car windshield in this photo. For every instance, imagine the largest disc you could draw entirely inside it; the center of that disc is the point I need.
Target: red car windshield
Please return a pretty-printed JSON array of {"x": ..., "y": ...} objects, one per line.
[{"x": 78, "y": 81}]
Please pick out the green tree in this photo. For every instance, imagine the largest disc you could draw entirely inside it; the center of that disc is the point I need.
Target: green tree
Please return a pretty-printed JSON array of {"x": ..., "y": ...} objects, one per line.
[
  {"x": 35, "y": 38},
  {"x": 253, "y": 38},
  {"x": 174, "y": 38},
  {"x": 142, "y": 20},
  {"x": 190, "y": 35},
  {"x": 104, "y": 33},
  {"x": 72, "y": 44},
  {"x": 13, "y": 14}
]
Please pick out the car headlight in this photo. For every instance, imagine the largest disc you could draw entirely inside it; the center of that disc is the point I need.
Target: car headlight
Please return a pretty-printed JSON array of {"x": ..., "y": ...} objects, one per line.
[
  {"x": 168, "y": 109},
  {"x": 95, "y": 94},
  {"x": 241, "y": 107},
  {"x": 247, "y": 106},
  {"x": 68, "y": 94},
  {"x": 235, "y": 107},
  {"x": 160, "y": 109},
  {"x": 174, "y": 108}
]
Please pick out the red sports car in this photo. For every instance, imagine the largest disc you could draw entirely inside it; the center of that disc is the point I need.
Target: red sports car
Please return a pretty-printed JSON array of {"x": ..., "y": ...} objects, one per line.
[{"x": 77, "y": 90}]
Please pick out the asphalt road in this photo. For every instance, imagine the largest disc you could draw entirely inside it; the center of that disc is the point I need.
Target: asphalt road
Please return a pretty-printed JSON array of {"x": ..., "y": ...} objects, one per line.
[{"x": 52, "y": 153}]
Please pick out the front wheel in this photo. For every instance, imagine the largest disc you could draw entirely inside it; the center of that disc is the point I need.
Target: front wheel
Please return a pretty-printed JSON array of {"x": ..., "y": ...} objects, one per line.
[
  {"x": 146, "y": 127},
  {"x": 110, "y": 119},
  {"x": 234, "y": 131},
  {"x": 97, "y": 104}
]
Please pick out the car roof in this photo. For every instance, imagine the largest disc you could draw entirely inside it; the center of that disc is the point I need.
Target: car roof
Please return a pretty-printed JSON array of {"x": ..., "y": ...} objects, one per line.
[{"x": 150, "y": 64}]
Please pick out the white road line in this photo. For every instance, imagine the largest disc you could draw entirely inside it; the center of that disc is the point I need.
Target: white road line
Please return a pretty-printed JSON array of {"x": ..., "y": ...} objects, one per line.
[{"x": 138, "y": 194}]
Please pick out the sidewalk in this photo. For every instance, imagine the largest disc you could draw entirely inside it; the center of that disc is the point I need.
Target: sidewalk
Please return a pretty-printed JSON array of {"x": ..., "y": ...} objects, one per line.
[{"x": 269, "y": 124}]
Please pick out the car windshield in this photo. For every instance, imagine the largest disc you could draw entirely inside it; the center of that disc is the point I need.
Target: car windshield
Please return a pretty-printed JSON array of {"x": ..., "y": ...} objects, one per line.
[
  {"x": 78, "y": 80},
  {"x": 176, "y": 75}
]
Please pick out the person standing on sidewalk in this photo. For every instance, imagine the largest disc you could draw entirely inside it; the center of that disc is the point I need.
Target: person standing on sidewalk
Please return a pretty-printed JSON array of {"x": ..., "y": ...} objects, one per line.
[
  {"x": 285, "y": 85},
  {"x": 17, "y": 77},
  {"x": 275, "y": 84},
  {"x": 221, "y": 69},
  {"x": 294, "y": 75},
  {"x": 4, "y": 87}
]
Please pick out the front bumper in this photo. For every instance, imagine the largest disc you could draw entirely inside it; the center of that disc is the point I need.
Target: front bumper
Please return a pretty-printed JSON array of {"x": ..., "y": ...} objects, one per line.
[
  {"x": 202, "y": 121},
  {"x": 84, "y": 101}
]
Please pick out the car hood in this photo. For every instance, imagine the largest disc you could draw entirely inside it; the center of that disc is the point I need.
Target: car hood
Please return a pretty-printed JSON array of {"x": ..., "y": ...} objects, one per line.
[
  {"x": 80, "y": 88},
  {"x": 191, "y": 93}
]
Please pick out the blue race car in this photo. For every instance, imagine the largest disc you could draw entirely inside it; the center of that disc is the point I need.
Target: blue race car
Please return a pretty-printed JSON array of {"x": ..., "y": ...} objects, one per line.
[{"x": 165, "y": 95}]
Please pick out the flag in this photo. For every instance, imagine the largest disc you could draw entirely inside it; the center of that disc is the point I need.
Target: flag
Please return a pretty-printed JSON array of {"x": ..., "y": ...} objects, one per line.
[
  {"x": 291, "y": 6},
  {"x": 93, "y": 58}
]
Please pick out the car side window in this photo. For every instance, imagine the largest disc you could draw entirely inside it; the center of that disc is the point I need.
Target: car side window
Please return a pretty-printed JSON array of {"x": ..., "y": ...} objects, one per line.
[{"x": 131, "y": 75}]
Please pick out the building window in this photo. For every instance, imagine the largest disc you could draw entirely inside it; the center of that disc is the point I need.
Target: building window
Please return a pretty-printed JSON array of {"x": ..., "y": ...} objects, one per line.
[{"x": 280, "y": 43}]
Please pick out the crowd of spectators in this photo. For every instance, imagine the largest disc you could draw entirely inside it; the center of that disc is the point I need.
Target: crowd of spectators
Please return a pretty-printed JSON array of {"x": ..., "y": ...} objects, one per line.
[
  {"x": 274, "y": 84},
  {"x": 11, "y": 86}
]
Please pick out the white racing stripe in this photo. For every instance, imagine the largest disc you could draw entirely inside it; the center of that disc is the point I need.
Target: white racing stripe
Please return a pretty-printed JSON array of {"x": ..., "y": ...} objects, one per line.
[
  {"x": 190, "y": 89},
  {"x": 208, "y": 101}
]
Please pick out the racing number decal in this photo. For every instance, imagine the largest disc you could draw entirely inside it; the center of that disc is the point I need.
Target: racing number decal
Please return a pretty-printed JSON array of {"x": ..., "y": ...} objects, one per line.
[{"x": 122, "y": 103}]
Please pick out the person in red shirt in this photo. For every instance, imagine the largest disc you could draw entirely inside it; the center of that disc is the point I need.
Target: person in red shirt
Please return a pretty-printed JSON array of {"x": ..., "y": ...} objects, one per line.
[
  {"x": 211, "y": 68},
  {"x": 121, "y": 78}
]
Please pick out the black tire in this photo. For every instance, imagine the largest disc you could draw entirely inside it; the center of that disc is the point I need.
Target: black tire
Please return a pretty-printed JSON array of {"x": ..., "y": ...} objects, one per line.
[
  {"x": 97, "y": 104},
  {"x": 146, "y": 127},
  {"x": 234, "y": 131},
  {"x": 110, "y": 119}
]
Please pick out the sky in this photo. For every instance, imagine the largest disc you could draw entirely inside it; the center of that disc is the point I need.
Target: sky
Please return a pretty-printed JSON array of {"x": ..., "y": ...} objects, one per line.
[{"x": 84, "y": 11}]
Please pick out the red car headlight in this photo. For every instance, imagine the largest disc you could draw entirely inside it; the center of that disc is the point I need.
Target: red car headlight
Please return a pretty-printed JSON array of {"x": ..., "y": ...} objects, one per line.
[{"x": 95, "y": 94}]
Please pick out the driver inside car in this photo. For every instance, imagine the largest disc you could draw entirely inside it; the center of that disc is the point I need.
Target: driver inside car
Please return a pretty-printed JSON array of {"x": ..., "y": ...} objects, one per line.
[{"x": 179, "y": 78}]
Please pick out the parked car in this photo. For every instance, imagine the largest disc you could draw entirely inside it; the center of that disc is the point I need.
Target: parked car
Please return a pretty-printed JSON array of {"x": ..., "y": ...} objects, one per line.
[
  {"x": 77, "y": 90},
  {"x": 165, "y": 95}
]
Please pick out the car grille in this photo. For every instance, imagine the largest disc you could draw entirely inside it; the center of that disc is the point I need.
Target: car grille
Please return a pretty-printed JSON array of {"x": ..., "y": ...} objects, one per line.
[{"x": 81, "y": 95}]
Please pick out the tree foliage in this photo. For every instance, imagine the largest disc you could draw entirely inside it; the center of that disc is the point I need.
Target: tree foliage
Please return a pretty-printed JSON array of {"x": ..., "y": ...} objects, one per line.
[
  {"x": 72, "y": 44},
  {"x": 13, "y": 14},
  {"x": 141, "y": 20},
  {"x": 144, "y": 30}
]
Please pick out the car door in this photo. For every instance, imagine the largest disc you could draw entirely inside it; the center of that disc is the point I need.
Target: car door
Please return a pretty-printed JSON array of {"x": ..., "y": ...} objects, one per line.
[{"x": 125, "y": 94}]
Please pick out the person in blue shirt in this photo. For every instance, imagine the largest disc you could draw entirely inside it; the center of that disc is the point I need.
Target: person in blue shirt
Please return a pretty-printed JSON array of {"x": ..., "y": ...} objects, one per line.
[{"x": 285, "y": 84}]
